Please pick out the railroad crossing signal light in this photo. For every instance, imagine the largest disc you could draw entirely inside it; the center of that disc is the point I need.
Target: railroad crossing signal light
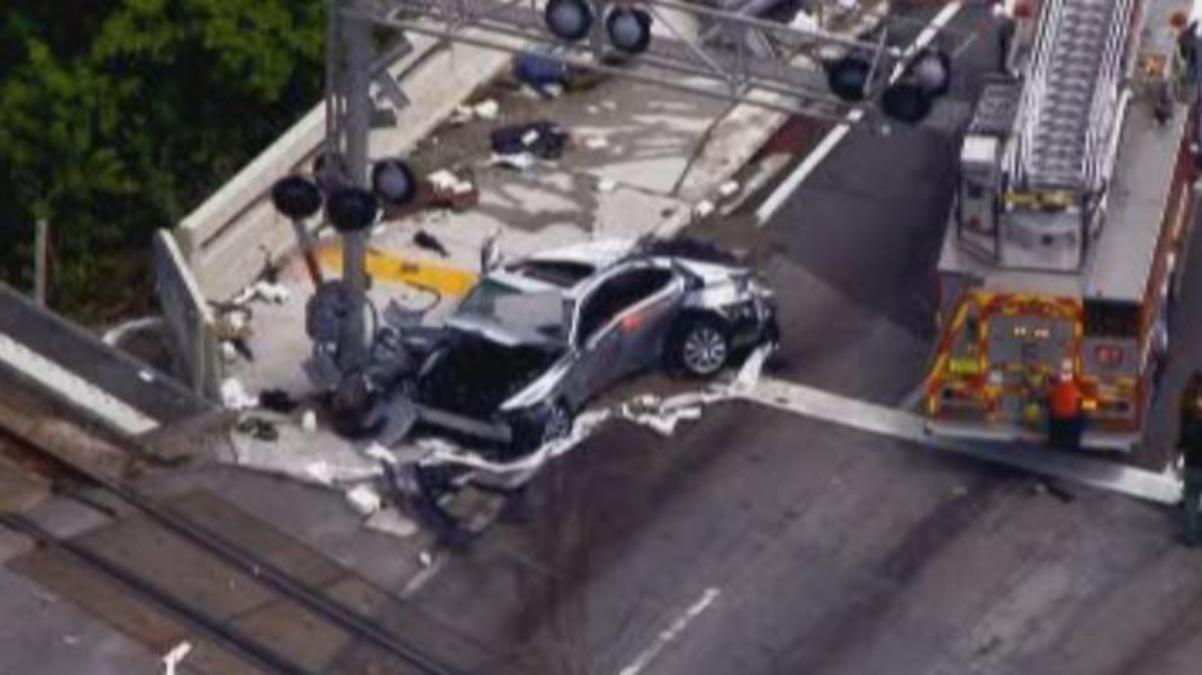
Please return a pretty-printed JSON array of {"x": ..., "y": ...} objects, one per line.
[
  {"x": 928, "y": 77},
  {"x": 569, "y": 20},
  {"x": 296, "y": 197},
  {"x": 932, "y": 70},
  {"x": 629, "y": 29},
  {"x": 352, "y": 209},
  {"x": 330, "y": 171},
  {"x": 906, "y": 102},
  {"x": 847, "y": 77},
  {"x": 393, "y": 182}
]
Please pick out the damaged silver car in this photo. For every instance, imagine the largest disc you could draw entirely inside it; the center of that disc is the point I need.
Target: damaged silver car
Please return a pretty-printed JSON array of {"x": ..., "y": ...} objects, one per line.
[{"x": 539, "y": 337}]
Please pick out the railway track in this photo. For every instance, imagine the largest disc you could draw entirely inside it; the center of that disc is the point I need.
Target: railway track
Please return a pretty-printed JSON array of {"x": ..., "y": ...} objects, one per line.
[{"x": 220, "y": 631}]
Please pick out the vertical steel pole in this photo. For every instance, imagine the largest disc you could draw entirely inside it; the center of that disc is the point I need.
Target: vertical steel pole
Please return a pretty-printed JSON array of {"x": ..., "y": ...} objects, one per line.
[
  {"x": 359, "y": 50},
  {"x": 40, "y": 260}
]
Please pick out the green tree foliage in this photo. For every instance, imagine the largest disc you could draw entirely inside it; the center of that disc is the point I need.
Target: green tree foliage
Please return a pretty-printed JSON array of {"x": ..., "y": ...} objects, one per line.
[{"x": 118, "y": 117}]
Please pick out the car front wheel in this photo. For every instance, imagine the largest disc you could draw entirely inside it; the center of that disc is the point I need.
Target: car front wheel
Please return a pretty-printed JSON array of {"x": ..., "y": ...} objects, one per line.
[{"x": 702, "y": 346}]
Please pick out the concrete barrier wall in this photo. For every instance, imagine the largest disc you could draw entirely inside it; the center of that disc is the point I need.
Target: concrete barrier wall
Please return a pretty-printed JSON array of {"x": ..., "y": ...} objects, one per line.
[{"x": 223, "y": 240}]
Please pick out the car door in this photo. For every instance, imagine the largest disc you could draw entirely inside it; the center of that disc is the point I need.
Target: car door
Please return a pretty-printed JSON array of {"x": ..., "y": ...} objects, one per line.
[
  {"x": 620, "y": 326},
  {"x": 657, "y": 293}
]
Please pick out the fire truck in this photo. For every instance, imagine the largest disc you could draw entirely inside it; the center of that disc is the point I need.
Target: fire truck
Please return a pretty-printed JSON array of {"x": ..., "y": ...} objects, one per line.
[{"x": 1070, "y": 224}]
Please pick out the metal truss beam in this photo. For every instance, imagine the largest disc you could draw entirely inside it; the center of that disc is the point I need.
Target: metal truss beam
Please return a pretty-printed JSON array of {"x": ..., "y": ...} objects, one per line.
[{"x": 723, "y": 65}]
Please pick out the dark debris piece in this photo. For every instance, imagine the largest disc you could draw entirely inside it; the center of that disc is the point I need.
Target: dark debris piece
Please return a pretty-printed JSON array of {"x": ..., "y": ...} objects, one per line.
[
  {"x": 431, "y": 243},
  {"x": 277, "y": 400}
]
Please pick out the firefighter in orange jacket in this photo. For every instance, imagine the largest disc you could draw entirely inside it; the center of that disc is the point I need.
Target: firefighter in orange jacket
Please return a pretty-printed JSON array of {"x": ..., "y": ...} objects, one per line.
[{"x": 1066, "y": 417}]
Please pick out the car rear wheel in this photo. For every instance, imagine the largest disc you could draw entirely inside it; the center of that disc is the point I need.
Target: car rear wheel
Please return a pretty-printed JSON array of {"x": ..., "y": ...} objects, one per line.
[{"x": 702, "y": 346}]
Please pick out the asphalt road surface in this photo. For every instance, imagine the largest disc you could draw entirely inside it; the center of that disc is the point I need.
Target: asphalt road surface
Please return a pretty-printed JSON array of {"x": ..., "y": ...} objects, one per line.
[{"x": 755, "y": 542}]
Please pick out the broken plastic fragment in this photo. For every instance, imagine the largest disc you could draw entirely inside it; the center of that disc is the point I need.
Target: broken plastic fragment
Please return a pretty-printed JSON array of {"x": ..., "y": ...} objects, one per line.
[
  {"x": 596, "y": 142},
  {"x": 234, "y": 396},
  {"x": 172, "y": 659},
  {"x": 729, "y": 189},
  {"x": 487, "y": 110},
  {"x": 391, "y": 521},
  {"x": 704, "y": 208},
  {"x": 364, "y": 499}
]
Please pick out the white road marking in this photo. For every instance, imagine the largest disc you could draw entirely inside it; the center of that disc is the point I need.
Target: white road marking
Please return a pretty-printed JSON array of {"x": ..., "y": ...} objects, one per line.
[
  {"x": 852, "y": 413},
  {"x": 54, "y": 377},
  {"x": 670, "y": 633},
  {"x": 835, "y": 136}
]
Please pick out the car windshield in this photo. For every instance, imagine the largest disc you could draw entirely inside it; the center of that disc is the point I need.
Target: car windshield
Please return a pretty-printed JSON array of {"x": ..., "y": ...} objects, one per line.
[{"x": 524, "y": 316}]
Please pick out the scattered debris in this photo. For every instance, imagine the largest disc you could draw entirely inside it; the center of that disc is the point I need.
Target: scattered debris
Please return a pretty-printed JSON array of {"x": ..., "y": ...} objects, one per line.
[
  {"x": 593, "y": 110},
  {"x": 258, "y": 429},
  {"x": 447, "y": 181},
  {"x": 729, "y": 189},
  {"x": 487, "y": 110},
  {"x": 377, "y": 451},
  {"x": 228, "y": 352},
  {"x": 541, "y": 73},
  {"x": 704, "y": 208},
  {"x": 429, "y": 242},
  {"x": 364, "y": 499},
  {"x": 607, "y": 185},
  {"x": 325, "y": 473},
  {"x": 425, "y": 559},
  {"x": 391, "y": 521},
  {"x": 543, "y": 139},
  {"x": 172, "y": 659},
  {"x": 234, "y": 396},
  {"x": 278, "y": 400},
  {"x": 263, "y": 290},
  {"x": 609, "y": 104},
  {"x": 518, "y": 162},
  {"x": 146, "y": 376},
  {"x": 461, "y": 115},
  {"x": 309, "y": 422},
  {"x": 70, "y": 640},
  {"x": 596, "y": 142}
]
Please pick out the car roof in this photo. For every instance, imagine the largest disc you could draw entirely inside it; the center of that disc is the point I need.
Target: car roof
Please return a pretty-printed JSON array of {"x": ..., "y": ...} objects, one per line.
[{"x": 601, "y": 253}]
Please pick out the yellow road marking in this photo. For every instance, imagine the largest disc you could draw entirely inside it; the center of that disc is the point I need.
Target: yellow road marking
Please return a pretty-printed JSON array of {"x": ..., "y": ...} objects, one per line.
[{"x": 389, "y": 267}]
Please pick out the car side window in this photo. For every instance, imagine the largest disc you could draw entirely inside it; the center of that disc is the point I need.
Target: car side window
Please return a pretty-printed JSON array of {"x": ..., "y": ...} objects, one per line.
[{"x": 617, "y": 294}]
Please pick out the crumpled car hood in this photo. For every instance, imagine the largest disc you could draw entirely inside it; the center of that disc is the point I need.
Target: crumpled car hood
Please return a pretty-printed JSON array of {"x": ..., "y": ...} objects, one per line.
[{"x": 474, "y": 375}]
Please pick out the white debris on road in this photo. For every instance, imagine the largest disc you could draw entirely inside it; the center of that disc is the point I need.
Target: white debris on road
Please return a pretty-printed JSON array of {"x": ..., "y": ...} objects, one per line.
[
  {"x": 596, "y": 142},
  {"x": 327, "y": 473},
  {"x": 228, "y": 353},
  {"x": 704, "y": 208},
  {"x": 729, "y": 189},
  {"x": 607, "y": 185},
  {"x": 522, "y": 161},
  {"x": 308, "y": 422},
  {"x": 364, "y": 499},
  {"x": 146, "y": 376},
  {"x": 261, "y": 290},
  {"x": 487, "y": 110},
  {"x": 234, "y": 396},
  {"x": 425, "y": 559},
  {"x": 172, "y": 659},
  {"x": 446, "y": 181},
  {"x": 391, "y": 521}
]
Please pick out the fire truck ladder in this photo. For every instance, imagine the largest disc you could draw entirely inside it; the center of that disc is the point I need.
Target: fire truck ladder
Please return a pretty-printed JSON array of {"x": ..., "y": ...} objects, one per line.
[{"x": 1071, "y": 95}]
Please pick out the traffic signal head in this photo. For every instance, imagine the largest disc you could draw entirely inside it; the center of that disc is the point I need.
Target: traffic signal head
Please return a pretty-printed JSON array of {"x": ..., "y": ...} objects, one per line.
[
  {"x": 296, "y": 197},
  {"x": 569, "y": 20},
  {"x": 393, "y": 182},
  {"x": 906, "y": 102},
  {"x": 847, "y": 77},
  {"x": 352, "y": 209},
  {"x": 629, "y": 29}
]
